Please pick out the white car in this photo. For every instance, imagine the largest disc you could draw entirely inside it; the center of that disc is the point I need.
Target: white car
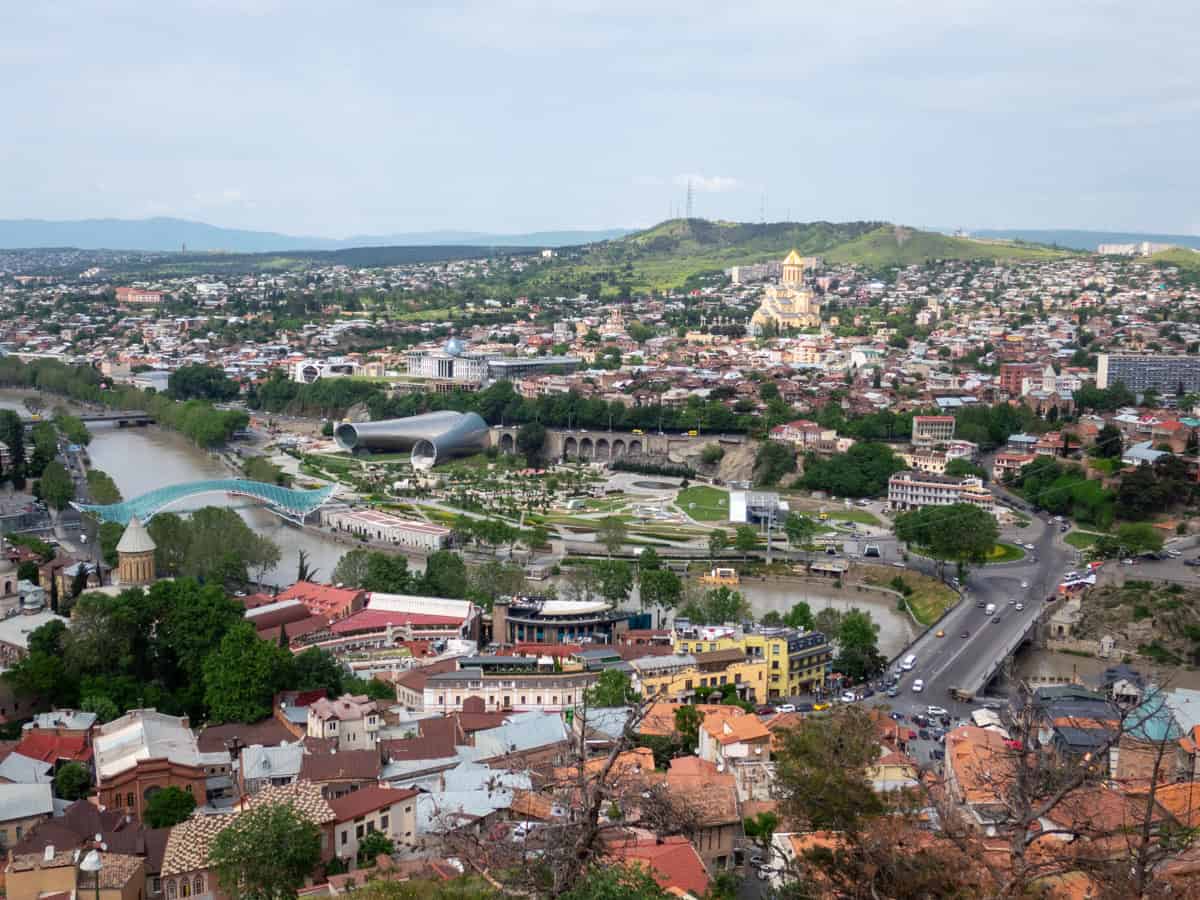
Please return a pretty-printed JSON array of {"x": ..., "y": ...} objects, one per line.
[
  {"x": 1020, "y": 606},
  {"x": 1024, "y": 584},
  {"x": 786, "y": 707},
  {"x": 848, "y": 697},
  {"x": 918, "y": 686},
  {"x": 936, "y": 711}
]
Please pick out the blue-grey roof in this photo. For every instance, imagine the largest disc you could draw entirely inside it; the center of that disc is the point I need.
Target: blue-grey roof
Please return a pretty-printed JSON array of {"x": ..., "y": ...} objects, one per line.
[
  {"x": 24, "y": 801},
  {"x": 20, "y": 769},
  {"x": 522, "y": 731},
  {"x": 272, "y": 762}
]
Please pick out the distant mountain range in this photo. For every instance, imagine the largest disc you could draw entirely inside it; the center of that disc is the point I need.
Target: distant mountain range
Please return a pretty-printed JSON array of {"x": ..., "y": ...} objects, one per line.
[
  {"x": 1084, "y": 240},
  {"x": 172, "y": 235}
]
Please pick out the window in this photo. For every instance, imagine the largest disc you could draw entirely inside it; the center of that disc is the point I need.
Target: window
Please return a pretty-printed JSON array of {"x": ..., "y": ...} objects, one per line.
[
  {"x": 129, "y": 799},
  {"x": 359, "y": 831},
  {"x": 19, "y": 830},
  {"x": 3, "y": 837},
  {"x": 539, "y": 700},
  {"x": 185, "y": 887},
  {"x": 117, "y": 799},
  {"x": 345, "y": 838},
  {"x": 198, "y": 884},
  {"x": 171, "y": 889},
  {"x": 156, "y": 885},
  {"x": 383, "y": 823}
]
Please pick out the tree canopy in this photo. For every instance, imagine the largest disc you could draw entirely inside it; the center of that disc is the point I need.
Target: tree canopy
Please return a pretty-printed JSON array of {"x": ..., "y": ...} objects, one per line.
[{"x": 266, "y": 853}]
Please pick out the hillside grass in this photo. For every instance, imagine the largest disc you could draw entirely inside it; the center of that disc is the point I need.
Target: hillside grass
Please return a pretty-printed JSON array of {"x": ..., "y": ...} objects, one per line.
[
  {"x": 1003, "y": 553},
  {"x": 890, "y": 245},
  {"x": 929, "y": 598},
  {"x": 1181, "y": 257},
  {"x": 1081, "y": 540}
]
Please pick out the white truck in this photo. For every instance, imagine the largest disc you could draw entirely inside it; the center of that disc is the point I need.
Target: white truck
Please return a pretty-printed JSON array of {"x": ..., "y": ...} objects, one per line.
[{"x": 990, "y": 609}]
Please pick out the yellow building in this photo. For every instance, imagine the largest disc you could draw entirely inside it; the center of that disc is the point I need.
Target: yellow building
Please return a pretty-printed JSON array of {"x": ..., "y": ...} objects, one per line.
[
  {"x": 677, "y": 677},
  {"x": 788, "y": 305},
  {"x": 797, "y": 662}
]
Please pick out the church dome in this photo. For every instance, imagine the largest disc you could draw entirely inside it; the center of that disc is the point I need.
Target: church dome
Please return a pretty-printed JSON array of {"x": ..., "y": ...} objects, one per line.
[{"x": 136, "y": 539}]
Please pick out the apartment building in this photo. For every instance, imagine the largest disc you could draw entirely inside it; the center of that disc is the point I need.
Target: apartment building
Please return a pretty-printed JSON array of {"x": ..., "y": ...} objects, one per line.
[
  {"x": 797, "y": 662},
  {"x": 352, "y": 720},
  {"x": 679, "y": 676},
  {"x": 1145, "y": 372},
  {"x": 506, "y": 683},
  {"x": 916, "y": 490},
  {"x": 930, "y": 430}
]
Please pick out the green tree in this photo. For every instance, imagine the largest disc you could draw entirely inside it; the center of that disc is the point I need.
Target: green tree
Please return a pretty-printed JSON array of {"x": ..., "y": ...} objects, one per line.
[
  {"x": 531, "y": 442},
  {"x": 800, "y": 530},
  {"x": 612, "y": 688},
  {"x": 242, "y": 675},
  {"x": 660, "y": 589},
  {"x": 374, "y": 845},
  {"x": 351, "y": 569},
  {"x": 56, "y": 487},
  {"x": 168, "y": 807},
  {"x": 712, "y": 454},
  {"x": 266, "y": 853},
  {"x": 799, "y": 616},
  {"x": 201, "y": 382},
  {"x": 774, "y": 460},
  {"x": 1139, "y": 537},
  {"x": 72, "y": 782},
  {"x": 862, "y": 471},
  {"x": 101, "y": 488},
  {"x": 1110, "y": 443},
  {"x": 316, "y": 669},
  {"x": 445, "y": 575},
  {"x": 387, "y": 574},
  {"x": 716, "y": 607},
  {"x": 745, "y": 540},
  {"x": 648, "y": 560},
  {"x": 616, "y": 580},
  {"x": 961, "y": 533},
  {"x": 718, "y": 541},
  {"x": 858, "y": 646},
  {"x": 821, "y": 767},
  {"x": 608, "y": 882},
  {"x": 687, "y": 726},
  {"x": 612, "y": 532},
  {"x": 102, "y": 706}
]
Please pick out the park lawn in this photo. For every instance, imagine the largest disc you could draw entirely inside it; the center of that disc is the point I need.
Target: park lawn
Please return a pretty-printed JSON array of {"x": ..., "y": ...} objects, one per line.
[
  {"x": 1003, "y": 553},
  {"x": 861, "y": 516},
  {"x": 929, "y": 598},
  {"x": 1081, "y": 540},
  {"x": 704, "y": 503}
]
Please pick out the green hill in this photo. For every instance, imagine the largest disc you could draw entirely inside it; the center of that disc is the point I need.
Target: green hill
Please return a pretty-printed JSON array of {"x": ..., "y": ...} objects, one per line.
[
  {"x": 678, "y": 250},
  {"x": 895, "y": 245},
  {"x": 1176, "y": 256}
]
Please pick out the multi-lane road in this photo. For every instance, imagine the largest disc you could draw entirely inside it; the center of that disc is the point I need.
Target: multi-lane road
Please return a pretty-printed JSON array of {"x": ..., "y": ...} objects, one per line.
[{"x": 973, "y": 642}]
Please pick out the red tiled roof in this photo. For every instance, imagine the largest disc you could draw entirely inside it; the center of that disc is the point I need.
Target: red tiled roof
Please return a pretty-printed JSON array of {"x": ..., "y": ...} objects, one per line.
[
  {"x": 294, "y": 629},
  {"x": 49, "y": 747},
  {"x": 673, "y": 862},
  {"x": 322, "y": 599},
  {"x": 368, "y": 799},
  {"x": 378, "y": 619}
]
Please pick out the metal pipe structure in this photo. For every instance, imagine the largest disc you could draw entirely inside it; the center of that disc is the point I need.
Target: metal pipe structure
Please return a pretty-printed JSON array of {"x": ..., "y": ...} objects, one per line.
[{"x": 432, "y": 437}]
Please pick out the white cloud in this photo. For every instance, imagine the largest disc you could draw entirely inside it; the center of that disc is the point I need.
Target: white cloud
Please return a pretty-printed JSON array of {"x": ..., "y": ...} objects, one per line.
[
  {"x": 222, "y": 197},
  {"x": 707, "y": 184}
]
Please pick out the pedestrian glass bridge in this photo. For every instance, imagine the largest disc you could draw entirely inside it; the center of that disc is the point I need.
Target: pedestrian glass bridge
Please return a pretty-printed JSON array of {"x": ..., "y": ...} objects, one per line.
[{"x": 289, "y": 503}]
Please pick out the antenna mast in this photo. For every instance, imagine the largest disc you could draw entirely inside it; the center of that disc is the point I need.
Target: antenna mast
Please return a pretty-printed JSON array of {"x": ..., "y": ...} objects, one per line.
[{"x": 689, "y": 199}]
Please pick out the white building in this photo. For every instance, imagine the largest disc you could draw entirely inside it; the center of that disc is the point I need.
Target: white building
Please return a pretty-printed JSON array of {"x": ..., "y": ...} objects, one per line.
[
  {"x": 388, "y": 529},
  {"x": 353, "y": 721},
  {"x": 916, "y": 490}
]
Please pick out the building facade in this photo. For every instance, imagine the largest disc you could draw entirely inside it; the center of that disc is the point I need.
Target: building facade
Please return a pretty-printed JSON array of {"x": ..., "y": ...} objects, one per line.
[
  {"x": 517, "y": 620},
  {"x": 506, "y": 683},
  {"x": 424, "y": 537},
  {"x": 1141, "y": 373},
  {"x": 929, "y": 430},
  {"x": 797, "y": 662},
  {"x": 916, "y": 490}
]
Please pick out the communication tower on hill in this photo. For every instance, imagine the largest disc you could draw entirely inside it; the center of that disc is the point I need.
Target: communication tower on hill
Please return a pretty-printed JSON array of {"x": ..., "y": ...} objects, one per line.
[{"x": 689, "y": 199}]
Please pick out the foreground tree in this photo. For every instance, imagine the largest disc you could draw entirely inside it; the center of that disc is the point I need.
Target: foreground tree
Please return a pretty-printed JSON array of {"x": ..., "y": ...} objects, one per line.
[
  {"x": 242, "y": 675},
  {"x": 72, "y": 782},
  {"x": 267, "y": 853},
  {"x": 168, "y": 807}
]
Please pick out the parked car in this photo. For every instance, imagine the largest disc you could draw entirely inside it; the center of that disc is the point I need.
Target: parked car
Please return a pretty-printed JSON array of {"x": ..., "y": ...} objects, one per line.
[
  {"x": 924, "y": 735},
  {"x": 918, "y": 686},
  {"x": 893, "y": 691},
  {"x": 1191, "y": 562},
  {"x": 848, "y": 697},
  {"x": 897, "y": 716},
  {"x": 1020, "y": 606},
  {"x": 920, "y": 720},
  {"x": 786, "y": 707},
  {"x": 765, "y": 710},
  {"x": 937, "y": 711}
]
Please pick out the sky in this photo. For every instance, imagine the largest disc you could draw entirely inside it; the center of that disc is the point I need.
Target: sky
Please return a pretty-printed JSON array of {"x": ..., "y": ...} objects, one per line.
[{"x": 343, "y": 118}]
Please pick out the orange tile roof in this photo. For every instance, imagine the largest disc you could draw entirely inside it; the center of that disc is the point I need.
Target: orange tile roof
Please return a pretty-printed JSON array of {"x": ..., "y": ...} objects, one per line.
[
  {"x": 726, "y": 728},
  {"x": 672, "y": 861},
  {"x": 981, "y": 762},
  {"x": 660, "y": 718}
]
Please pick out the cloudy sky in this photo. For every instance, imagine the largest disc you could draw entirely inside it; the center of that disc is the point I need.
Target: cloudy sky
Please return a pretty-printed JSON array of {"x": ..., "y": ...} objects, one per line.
[{"x": 346, "y": 117}]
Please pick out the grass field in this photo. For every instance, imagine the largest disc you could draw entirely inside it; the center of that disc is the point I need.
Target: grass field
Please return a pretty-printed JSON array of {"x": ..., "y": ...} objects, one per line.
[
  {"x": 896, "y": 246},
  {"x": 929, "y": 598},
  {"x": 1003, "y": 553},
  {"x": 704, "y": 503},
  {"x": 1081, "y": 540},
  {"x": 861, "y": 516}
]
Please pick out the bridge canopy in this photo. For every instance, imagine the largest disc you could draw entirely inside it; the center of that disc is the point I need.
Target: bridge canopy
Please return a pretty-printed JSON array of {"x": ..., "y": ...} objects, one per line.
[{"x": 288, "y": 502}]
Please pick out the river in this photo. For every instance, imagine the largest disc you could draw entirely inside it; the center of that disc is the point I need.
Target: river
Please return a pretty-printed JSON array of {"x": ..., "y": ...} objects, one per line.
[{"x": 143, "y": 459}]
